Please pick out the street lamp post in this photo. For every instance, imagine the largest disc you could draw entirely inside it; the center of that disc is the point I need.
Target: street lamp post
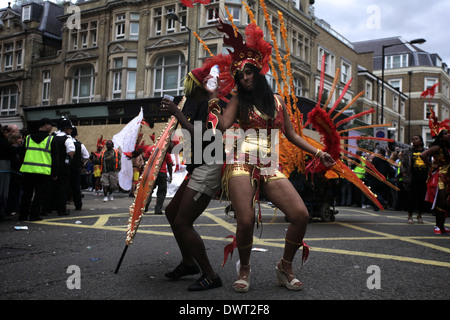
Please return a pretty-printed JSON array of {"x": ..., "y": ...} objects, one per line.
[
  {"x": 174, "y": 16},
  {"x": 415, "y": 41},
  {"x": 409, "y": 107}
]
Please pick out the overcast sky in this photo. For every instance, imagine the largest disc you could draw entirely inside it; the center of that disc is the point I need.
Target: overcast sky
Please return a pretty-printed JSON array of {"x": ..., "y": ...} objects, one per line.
[{"x": 359, "y": 20}]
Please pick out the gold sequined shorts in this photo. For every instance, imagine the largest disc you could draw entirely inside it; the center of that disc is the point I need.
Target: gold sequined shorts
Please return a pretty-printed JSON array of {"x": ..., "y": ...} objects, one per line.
[{"x": 256, "y": 175}]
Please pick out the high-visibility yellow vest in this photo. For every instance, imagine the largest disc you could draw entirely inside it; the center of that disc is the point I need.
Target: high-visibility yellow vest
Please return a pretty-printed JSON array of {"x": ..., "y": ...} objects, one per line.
[
  {"x": 360, "y": 171},
  {"x": 38, "y": 156},
  {"x": 398, "y": 171}
]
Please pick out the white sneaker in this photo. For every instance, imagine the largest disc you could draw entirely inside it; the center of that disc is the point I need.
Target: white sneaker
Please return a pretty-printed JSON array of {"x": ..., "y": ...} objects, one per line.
[
  {"x": 111, "y": 198},
  {"x": 105, "y": 199}
]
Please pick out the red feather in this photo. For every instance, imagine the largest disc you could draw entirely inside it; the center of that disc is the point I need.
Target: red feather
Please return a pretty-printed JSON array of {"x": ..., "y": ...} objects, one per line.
[
  {"x": 228, "y": 250},
  {"x": 431, "y": 91},
  {"x": 190, "y": 3}
]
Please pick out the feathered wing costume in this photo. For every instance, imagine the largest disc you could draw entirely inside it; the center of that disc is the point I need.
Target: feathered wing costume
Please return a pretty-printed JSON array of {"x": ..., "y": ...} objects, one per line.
[{"x": 322, "y": 121}]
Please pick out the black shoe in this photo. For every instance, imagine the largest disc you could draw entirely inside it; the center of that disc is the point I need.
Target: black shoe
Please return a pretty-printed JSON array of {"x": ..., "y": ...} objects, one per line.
[
  {"x": 65, "y": 213},
  {"x": 205, "y": 283},
  {"x": 182, "y": 270}
]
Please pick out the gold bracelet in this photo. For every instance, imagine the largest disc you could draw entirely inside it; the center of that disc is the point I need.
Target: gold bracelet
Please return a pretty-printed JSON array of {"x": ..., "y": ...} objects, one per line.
[{"x": 318, "y": 154}]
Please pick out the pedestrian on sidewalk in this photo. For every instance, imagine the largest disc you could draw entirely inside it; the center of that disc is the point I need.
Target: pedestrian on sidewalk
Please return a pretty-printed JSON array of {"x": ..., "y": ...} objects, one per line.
[{"x": 110, "y": 167}]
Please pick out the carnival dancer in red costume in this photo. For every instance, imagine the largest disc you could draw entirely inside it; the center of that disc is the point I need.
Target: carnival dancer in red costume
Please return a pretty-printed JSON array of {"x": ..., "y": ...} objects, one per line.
[
  {"x": 95, "y": 158},
  {"x": 439, "y": 188},
  {"x": 256, "y": 107}
]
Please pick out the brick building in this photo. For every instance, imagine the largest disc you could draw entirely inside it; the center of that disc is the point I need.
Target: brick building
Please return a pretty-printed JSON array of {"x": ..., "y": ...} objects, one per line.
[
  {"x": 410, "y": 70},
  {"x": 99, "y": 61}
]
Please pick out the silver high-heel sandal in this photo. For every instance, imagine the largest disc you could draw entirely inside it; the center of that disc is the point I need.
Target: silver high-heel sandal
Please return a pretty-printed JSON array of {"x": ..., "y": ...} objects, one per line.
[
  {"x": 294, "y": 284},
  {"x": 245, "y": 280}
]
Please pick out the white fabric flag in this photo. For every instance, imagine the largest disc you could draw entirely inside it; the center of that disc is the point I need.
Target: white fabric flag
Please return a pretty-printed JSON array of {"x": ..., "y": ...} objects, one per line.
[{"x": 126, "y": 140}]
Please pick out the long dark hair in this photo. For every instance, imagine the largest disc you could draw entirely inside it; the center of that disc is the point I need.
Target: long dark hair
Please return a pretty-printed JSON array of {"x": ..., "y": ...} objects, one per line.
[{"x": 261, "y": 96}]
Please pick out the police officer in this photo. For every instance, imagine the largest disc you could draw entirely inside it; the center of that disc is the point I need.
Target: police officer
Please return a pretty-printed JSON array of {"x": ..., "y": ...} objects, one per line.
[
  {"x": 66, "y": 150},
  {"x": 40, "y": 165},
  {"x": 80, "y": 156}
]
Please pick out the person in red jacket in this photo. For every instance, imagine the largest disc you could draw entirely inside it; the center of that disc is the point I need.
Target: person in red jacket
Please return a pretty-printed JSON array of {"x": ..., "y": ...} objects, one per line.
[{"x": 161, "y": 181}]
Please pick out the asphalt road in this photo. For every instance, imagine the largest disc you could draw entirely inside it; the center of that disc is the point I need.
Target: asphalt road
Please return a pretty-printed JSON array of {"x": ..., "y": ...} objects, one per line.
[{"x": 362, "y": 255}]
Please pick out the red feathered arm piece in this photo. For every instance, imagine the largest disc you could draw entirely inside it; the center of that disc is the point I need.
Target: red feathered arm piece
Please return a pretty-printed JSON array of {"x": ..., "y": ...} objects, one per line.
[
  {"x": 321, "y": 121},
  {"x": 128, "y": 154},
  {"x": 430, "y": 91},
  {"x": 228, "y": 250}
]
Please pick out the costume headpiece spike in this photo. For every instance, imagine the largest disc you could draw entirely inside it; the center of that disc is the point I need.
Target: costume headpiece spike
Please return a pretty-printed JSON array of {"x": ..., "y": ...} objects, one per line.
[
  {"x": 255, "y": 50},
  {"x": 435, "y": 126},
  {"x": 101, "y": 142}
]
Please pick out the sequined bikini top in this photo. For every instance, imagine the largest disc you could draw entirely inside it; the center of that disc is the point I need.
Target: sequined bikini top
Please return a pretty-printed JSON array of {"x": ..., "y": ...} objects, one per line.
[{"x": 258, "y": 120}]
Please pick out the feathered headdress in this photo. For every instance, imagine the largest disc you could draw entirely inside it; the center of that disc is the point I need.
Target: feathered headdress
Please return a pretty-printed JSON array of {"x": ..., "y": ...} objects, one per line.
[
  {"x": 435, "y": 126},
  {"x": 255, "y": 50},
  {"x": 190, "y": 3},
  {"x": 101, "y": 142}
]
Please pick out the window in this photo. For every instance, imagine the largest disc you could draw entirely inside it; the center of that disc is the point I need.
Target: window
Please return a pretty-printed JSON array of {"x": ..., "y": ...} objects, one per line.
[
  {"x": 117, "y": 79},
  {"x": 8, "y": 56},
  {"x": 26, "y": 13},
  {"x": 252, "y": 8},
  {"x": 170, "y": 22},
  {"x": 297, "y": 4},
  {"x": 212, "y": 14},
  {"x": 300, "y": 46},
  {"x": 368, "y": 118},
  {"x": 396, "y": 61},
  {"x": 134, "y": 26},
  {"x": 169, "y": 75},
  {"x": 120, "y": 26},
  {"x": 236, "y": 13},
  {"x": 298, "y": 87},
  {"x": 83, "y": 85},
  {"x": 395, "y": 103},
  {"x": 46, "y": 87},
  {"x": 157, "y": 21},
  {"x": 329, "y": 61},
  {"x": 8, "y": 100},
  {"x": 93, "y": 32},
  {"x": 124, "y": 76},
  {"x": 84, "y": 37},
  {"x": 346, "y": 71},
  {"x": 396, "y": 83},
  {"x": 18, "y": 54},
  {"x": 369, "y": 90},
  {"x": 272, "y": 81},
  {"x": 131, "y": 78},
  {"x": 429, "y": 82},
  {"x": 74, "y": 38},
  {"x": 427, "y": 108}
]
